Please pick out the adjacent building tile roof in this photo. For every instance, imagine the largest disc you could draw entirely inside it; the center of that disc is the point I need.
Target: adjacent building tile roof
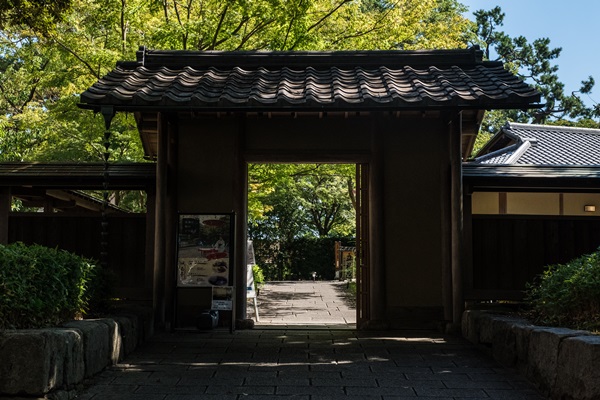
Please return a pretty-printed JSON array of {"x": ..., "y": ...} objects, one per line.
[
  {"x": 309, "y": 80},
  {"x": 78, "y": 175},
  {"x": 527, "y": 144},
  {"x": 545, "y": 178}
]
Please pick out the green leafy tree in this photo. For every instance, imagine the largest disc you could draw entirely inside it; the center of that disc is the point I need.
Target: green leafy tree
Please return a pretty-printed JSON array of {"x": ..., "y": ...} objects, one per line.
[
  {"x": 534, "y": 61},
  {"x": 308, "y": 25},
  {"x": 289, "y": 202},
  {"x": 303, "y": 199},
  {"x": 39, "y": 14}
]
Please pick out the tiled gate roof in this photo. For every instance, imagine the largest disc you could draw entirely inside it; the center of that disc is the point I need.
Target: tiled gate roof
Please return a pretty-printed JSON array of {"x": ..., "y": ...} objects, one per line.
[{"x": 352, "y": 80}]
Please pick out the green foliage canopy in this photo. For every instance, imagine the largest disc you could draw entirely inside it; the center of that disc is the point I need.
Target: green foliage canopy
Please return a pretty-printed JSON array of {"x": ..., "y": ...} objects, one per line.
[
  {"x": 39, "y": 14},
  {"x": 294, "y": 211},
  {"x": 295, "y": 200}
]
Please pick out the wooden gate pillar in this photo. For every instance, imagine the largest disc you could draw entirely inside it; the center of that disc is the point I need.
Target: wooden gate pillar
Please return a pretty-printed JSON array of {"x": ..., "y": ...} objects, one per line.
[
  {"x": 377, "y": 290},
  {"x": 456, "y": 218},
  {"x": 158, "y": 292},
  {"x": 5, "y": 203}
]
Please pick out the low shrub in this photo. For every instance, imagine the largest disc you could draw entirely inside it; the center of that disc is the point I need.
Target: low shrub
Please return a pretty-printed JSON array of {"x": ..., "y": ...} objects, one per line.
[
  {"x": 259, "y": 277},
  {"x": 568, "y": 295},
  {"x": 40, "y": 286}
]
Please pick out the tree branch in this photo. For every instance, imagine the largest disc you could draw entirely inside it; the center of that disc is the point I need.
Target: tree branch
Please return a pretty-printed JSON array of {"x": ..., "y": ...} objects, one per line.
[
  {"x": 351, "y": 194},
  {"x": 184, "y": 35},
  {"x": 321, "y": 20},
  {"x": 166, "y": 10},
  {"x": 254, "y": 31},
  {"x": 289, "y": 28},
  {"x": 85, "y": 63},
  {"x": 331, "y": 12},
  {"x": 219, "y": 25},
  {"x": 123, "y": 31},
  {"x": 8, "y": 100},
  {"x": 373, "y": 28}
]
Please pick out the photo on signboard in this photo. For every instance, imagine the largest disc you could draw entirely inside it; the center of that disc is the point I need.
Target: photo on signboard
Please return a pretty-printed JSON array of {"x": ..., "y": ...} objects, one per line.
[{"x": 204, "y": 250}]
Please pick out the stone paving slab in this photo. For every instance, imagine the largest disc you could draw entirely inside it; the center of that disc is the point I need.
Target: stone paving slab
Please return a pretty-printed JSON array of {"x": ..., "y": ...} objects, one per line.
[
  {"x": 291, "y": 354},
  {"x": 307, "y": 364},
  {"x": 304, "y": 304}
]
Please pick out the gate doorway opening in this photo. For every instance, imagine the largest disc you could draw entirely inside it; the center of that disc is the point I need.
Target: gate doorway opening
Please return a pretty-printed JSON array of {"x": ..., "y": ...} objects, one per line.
[{"x": 299, "y": 217}]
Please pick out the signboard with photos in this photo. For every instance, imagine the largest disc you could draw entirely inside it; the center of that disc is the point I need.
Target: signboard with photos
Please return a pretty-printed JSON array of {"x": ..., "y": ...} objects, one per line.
[{"x": 204, "y": 250}]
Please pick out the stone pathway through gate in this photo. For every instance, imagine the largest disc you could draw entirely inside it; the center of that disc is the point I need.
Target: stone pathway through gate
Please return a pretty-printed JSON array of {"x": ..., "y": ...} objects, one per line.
[
  {"x": 304, "y": 350},
  {"x": 305, "y": 304}
]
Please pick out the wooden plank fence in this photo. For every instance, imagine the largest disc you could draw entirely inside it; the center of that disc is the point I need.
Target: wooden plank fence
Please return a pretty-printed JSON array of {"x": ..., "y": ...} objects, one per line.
[
  {"x": 80, "y": 234},
  {"x": 509, "y": 251}
]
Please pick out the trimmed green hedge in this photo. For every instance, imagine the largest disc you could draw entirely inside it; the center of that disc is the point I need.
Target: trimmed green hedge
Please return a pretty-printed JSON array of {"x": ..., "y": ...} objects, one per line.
[
  {"x": 568, "y": 295},
  {"x": 40, "y": 286},
  {"x": 299, "y": 258}
]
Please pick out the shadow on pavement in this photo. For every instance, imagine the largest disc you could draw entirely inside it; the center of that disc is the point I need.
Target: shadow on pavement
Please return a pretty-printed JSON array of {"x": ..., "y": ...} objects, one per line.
[{"x": 306, "y": 303}]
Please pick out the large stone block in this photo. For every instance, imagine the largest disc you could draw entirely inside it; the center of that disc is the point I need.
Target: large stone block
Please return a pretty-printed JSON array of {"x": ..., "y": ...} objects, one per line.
[
  {"x": 27, "y": 365},
  {"x": 486, "y": 329},
  {"x": 579, "y": 369},
  {"x": 96, "y": 353},
  {"x": 73, "y": 363},
  {"x": 542, "y": 365},
  {"x": 470, "y": 325},
  {"x": 522, "y": 333},
  {"x": 51, "y": 362},
  {"x": 37, "y": 361},
  {"x": 128, "y": 329},
  {"x": 115, "y": 353},
  {"x": 504, "y": 339}
]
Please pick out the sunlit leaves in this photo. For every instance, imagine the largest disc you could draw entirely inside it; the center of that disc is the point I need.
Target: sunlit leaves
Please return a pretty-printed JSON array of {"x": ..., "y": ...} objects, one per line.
[
  {"x": 292, "y": 204},
  {"x": 301, "y": 199},
  {"x": 305, "y": 25},
  {"x": 38, "y": 14}
]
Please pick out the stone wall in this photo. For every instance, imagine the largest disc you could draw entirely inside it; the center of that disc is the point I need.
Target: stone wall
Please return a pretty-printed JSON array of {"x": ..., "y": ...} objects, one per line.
[
  {"x": 563, "y": 363},
  {"x": 52, "y": 362}
]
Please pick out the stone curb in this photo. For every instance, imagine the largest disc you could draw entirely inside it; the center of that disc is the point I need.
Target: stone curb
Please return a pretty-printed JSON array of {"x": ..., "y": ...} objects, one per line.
[
  {"x": 52, "y": 362},
  {"x": 563, "y": 363}
]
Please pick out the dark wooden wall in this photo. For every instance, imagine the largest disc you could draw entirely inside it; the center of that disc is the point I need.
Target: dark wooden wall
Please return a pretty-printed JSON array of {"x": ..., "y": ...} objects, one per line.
[
  {"x": 81, "y": 235},
  {"x": 510, "y": 250}
]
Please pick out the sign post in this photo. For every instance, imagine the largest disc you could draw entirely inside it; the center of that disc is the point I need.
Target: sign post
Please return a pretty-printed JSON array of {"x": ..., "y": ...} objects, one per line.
[{"x": 250, "y": 287}]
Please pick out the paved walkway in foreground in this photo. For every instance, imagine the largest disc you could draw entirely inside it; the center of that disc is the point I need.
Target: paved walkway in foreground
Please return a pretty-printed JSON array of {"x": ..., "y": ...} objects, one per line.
[{"x": 292, "y": 358}]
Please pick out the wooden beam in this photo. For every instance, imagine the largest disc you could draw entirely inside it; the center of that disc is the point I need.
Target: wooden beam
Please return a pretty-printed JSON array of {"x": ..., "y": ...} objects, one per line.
[{"x": 309, "y": 156}]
